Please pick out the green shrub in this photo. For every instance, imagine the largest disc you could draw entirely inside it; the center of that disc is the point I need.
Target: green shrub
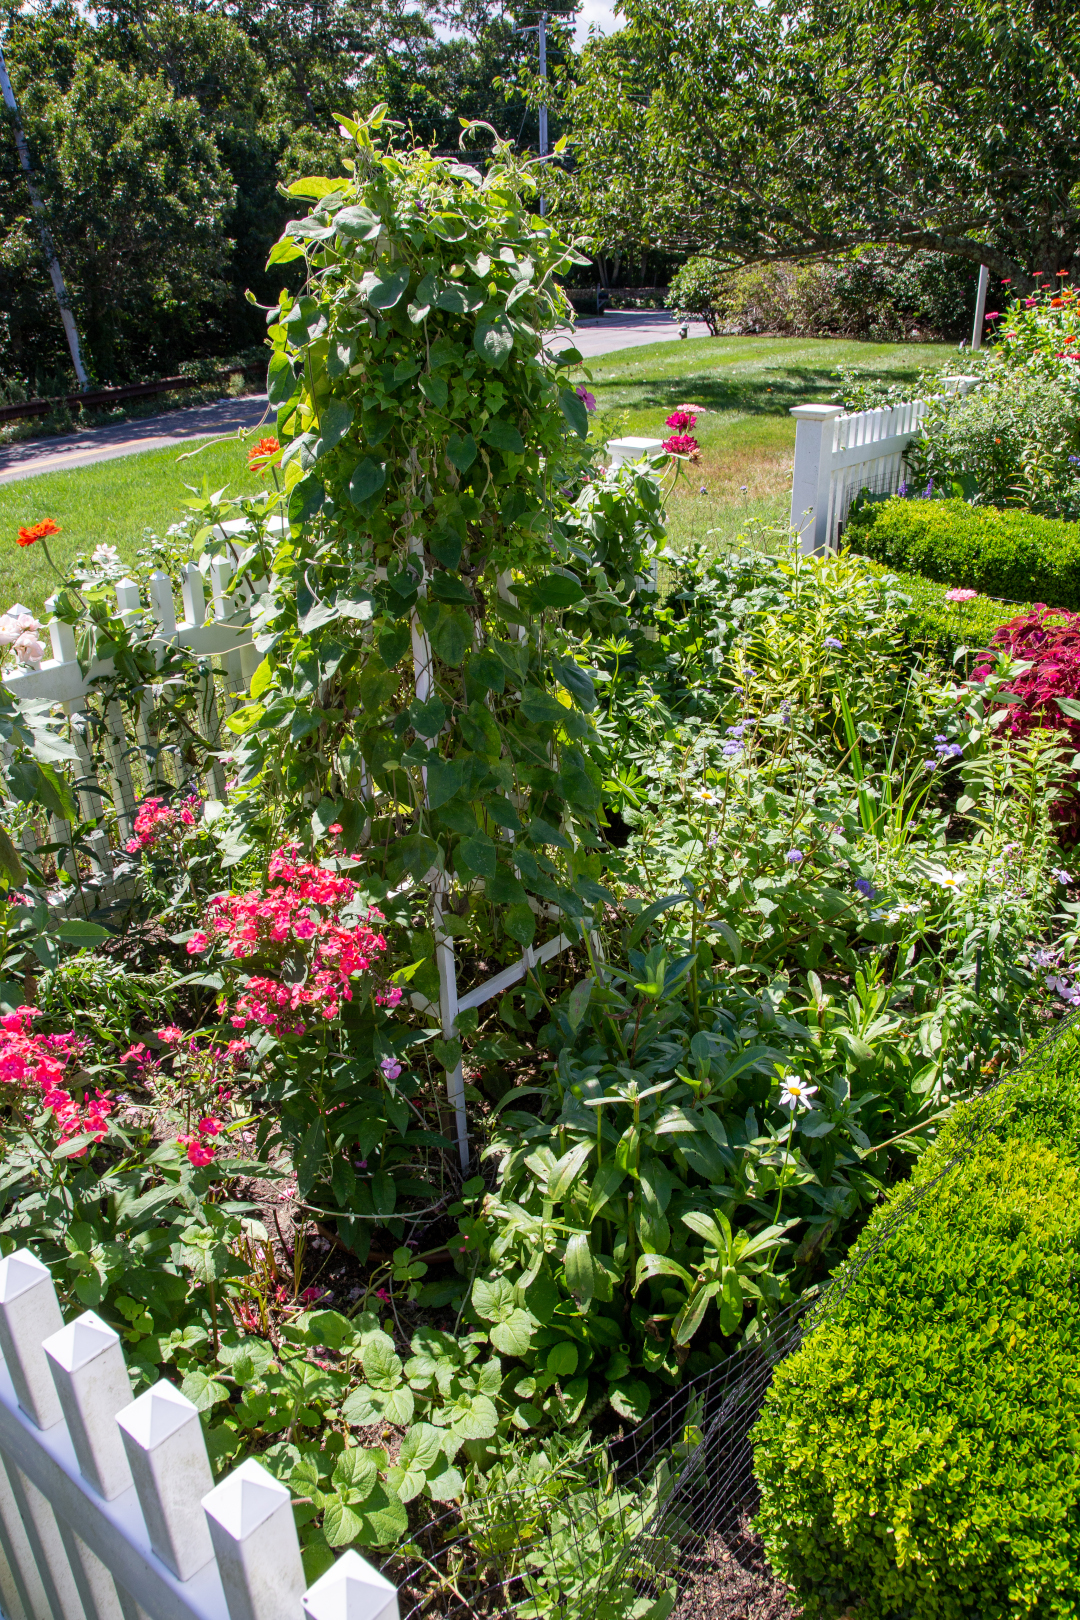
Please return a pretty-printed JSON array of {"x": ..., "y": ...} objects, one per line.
[
  {"x": 874, "y": 294},
  {"x": 941, "y": 627},
  {"x": 1013, "y": 555},
  {"x": 919, "y": 1454},
  {"x": 1013, "y": 442},
  {"x": 699, "y": 288}
]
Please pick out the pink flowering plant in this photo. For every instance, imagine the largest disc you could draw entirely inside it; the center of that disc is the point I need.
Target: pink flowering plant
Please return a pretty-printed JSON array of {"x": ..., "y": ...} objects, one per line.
[
  {"x": 305, "y": 992},
  {"x": 1038, "y": 332},
  {"x": 39, "y": 1072},
  {"x": 111, "y": 1164}
]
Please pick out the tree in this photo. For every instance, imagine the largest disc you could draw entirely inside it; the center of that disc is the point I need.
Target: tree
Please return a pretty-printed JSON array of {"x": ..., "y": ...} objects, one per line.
[
  {"x": 136, "y": 196},
  {"x": 755, "y": 131},
  {"x": 160, "y": 264}
]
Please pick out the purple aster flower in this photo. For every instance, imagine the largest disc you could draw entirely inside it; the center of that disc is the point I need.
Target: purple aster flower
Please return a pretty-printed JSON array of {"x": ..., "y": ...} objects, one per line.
[
  {"x": 831, "y": 641},
  {"x": 794, "y": 856},
  {"x": 931, "y": 764}
]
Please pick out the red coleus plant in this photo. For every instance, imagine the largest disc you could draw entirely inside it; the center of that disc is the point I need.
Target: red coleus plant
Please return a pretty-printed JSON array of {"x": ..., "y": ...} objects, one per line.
[{"x": 1048, "y": 641}]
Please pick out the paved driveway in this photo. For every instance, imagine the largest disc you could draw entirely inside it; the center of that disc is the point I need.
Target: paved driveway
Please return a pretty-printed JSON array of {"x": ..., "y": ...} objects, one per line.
[
  {"x": 128, "y": 438},
  {"x": 623, "y": 329}
]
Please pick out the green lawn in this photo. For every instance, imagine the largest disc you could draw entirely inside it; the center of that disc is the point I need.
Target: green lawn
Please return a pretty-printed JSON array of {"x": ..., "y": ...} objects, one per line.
[
  {"x": 113, "y": 503},
  {"x": 745, "y": 387}
]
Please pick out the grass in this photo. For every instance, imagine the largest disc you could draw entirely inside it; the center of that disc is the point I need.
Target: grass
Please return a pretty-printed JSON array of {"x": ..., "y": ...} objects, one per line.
[
  {"x": 744, "y": 388},
  {"x": 112, "y": 502}
]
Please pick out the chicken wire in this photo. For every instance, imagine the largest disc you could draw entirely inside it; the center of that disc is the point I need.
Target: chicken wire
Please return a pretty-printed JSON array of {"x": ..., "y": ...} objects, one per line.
[{"x": 653, "y": 1520}]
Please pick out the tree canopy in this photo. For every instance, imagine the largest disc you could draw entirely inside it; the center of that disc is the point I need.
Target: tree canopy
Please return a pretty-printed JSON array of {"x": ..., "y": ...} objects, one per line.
[
  {"x": 759, "y": 130},
  {"x": 163, "y": 129}
]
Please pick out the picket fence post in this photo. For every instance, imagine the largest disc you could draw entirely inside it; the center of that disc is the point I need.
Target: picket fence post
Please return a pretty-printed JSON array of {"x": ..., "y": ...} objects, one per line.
[
  {"x": 810, "y": 480},
  {"x": 108, "y": 1510}
]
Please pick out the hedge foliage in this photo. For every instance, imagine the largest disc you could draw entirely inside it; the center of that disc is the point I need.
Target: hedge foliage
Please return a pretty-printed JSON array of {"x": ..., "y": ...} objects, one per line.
[
  {"x": 941, "y": 627},
  {"x": 1007, "y": 554},
  {"x": 882, "y": 294},
  {"x": 920, "y": 1454}
]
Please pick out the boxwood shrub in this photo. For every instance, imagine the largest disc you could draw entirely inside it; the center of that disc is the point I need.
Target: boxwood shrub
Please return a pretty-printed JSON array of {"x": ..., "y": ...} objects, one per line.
[
  {"x": 1015, "y": 555},
  {"x": 919, "y": 1456},
  {"x": 939, "y": 626}
]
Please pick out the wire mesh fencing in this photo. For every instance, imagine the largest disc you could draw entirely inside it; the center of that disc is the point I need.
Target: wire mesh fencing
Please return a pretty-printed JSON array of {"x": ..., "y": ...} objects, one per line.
[{"x": 657, "y": 1520}]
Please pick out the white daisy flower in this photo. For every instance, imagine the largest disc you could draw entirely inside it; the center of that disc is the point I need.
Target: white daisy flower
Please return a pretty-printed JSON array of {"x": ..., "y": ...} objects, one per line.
[
  {"x": 950, "y": 880},
  {"x": 707, "y": 797},
  {"x": 795, "y": 1093}
]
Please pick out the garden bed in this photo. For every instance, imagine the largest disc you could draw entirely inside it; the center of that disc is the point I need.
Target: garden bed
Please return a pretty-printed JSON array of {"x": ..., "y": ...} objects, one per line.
[{"x": 487, "y": 1254}]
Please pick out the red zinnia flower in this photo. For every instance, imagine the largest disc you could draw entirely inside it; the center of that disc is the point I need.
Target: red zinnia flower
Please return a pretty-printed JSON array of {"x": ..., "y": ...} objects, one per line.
[
  {"x": 260, "y": 454},
  {"x": 38, "y": 531},
  {"x": 681, "y": 444}
]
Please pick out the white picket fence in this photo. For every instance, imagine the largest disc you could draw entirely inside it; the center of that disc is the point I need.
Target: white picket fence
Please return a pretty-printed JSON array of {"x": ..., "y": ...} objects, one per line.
[
  {"x": 839, "y": 453},
  {"x": 221, "y": 632},
  {"x": 108, "y": 1509}
]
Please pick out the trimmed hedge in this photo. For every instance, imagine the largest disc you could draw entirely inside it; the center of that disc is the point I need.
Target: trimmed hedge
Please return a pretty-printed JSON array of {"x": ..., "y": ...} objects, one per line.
[
  {"x": 939, "y": 626},
  {"x": 1005, "y": 554},
  {"x": 919, "y": 1456}
]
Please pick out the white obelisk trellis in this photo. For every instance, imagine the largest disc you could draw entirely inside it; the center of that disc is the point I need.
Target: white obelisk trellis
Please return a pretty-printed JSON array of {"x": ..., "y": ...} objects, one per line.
[
  {"x": 222, "y": 630},
  {"x": 108, "y": 1510}
]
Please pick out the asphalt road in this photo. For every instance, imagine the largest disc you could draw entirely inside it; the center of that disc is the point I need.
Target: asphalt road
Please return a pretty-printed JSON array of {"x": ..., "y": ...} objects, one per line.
[{"x": 624, "y": 329}]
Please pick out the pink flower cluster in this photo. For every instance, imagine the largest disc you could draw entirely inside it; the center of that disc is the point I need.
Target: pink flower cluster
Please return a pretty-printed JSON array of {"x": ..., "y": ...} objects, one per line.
[
  {"x": 682, "y": 444},
  {"x": 155, "y": 818},
  {"x": 28, "y": 1059},
  {"x": 303, "y": 908},
  {"x": 200, "y": 1144},
  {"x": 681, "y": 421}
]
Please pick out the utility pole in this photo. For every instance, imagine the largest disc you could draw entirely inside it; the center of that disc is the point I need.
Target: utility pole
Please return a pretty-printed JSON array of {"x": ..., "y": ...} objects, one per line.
[
  {"x": 540, "y": 30},
  {"x": 38, "y": 204},
  {"x": 542, "y": 38}
]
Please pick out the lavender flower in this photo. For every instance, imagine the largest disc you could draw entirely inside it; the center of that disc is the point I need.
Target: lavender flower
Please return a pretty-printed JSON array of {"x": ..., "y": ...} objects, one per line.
[
  {"x": 1070, "y": 994},
  {"x": 831, "y": 641},
  {"x": 794, "y": 856},
  {"x": 1060, "y": 875},
  {"x": 865, "y": 888}
]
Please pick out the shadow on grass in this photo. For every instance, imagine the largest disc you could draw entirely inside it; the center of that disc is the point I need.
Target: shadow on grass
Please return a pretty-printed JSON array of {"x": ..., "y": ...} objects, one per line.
[{"x": 771, "y": 393}]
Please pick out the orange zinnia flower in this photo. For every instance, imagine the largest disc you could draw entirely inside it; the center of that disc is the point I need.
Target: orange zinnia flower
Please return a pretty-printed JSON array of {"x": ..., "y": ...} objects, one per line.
[
  {"x": 38, "y": 531},
  {"x": 260, "y": 454}
]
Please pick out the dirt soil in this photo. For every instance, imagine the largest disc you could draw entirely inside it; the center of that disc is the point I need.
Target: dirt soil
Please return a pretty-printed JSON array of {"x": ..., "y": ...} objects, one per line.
[{"x": 732, "y": 1581}]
